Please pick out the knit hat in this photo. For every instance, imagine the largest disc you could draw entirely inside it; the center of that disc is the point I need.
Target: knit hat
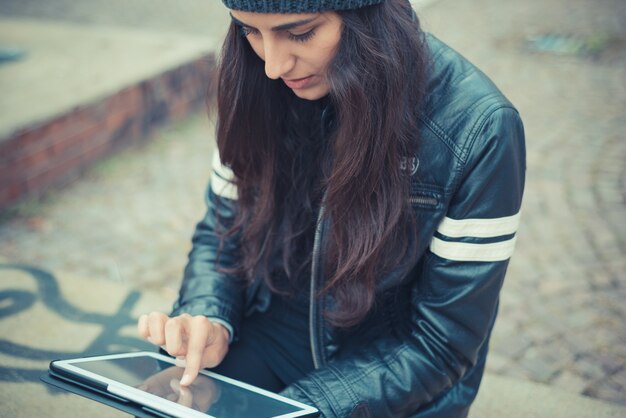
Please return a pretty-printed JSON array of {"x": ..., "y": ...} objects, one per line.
[{"x": 296, "y": 6}]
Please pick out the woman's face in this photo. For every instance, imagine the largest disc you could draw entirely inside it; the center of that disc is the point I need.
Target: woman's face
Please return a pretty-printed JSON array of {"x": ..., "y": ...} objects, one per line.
[{"x": 297, "y": 48}]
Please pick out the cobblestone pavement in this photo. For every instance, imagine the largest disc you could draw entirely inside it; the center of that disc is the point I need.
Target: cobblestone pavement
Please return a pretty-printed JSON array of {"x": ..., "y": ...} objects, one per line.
[{"x": 562, "y": 314}]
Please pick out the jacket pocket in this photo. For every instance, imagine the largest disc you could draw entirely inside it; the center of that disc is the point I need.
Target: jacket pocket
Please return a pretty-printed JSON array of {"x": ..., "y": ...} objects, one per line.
[{"x": 425, "y": 196}]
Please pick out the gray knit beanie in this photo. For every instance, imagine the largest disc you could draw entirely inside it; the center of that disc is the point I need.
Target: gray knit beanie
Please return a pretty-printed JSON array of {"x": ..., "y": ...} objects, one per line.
[{"x": 296, "y": 6}]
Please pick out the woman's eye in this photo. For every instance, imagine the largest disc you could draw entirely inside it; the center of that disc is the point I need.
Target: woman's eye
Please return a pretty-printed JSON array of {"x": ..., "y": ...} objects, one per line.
[
  {"x": 246, "y": 30},
  {"x": 303, "y": 37}
]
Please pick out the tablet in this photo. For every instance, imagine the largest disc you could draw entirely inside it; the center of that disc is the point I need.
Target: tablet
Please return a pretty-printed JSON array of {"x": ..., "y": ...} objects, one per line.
[{"x": 152, "y": 380}]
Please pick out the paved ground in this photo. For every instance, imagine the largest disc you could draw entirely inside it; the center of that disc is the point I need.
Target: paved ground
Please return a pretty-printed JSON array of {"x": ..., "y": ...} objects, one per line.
[
  {"x": 144, "y": 56},
  {"x": 562, "y": 316}
]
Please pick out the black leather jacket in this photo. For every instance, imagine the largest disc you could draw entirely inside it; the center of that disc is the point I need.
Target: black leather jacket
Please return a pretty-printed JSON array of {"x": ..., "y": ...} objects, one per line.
[{"x": 422, "y": 352}]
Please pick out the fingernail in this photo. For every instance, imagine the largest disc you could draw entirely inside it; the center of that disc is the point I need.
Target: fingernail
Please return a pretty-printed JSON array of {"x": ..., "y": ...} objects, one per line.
[
  {"x": 180, "y": 362},
  {"x": 186, "y": 380}
]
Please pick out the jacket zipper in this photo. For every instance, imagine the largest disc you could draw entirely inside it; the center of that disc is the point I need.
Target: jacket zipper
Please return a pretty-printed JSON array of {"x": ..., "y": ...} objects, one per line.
[
  {"x": 317, "y": 242},
  {"x": 423, "y": 200},
  {"x": 317, "y": 361},
  {"x": 313, "y": 301}
]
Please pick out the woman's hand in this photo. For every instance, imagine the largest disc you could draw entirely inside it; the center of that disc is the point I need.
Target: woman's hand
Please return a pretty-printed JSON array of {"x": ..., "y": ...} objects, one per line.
[{"x": 199, "y": 341}]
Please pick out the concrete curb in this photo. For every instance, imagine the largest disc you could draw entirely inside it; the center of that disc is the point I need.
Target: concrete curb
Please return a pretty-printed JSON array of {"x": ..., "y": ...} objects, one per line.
[{"x": 118, "y": 85}]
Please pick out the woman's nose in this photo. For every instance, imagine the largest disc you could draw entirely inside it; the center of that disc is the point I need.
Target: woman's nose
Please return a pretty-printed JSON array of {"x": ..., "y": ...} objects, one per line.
[{"x": 278, "y": 60}]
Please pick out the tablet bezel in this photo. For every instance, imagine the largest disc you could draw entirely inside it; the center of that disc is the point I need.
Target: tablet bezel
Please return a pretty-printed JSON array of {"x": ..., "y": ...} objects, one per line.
[{"x": 67, "y": 367}]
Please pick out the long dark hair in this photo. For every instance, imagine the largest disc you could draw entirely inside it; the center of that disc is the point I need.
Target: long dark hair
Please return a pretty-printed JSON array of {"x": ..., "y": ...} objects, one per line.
[{"x": 272, "y": 142}]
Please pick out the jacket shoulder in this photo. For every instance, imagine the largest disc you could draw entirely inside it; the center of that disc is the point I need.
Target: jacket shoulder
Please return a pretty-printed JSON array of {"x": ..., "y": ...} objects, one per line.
[{"x": 459, "y": 99}]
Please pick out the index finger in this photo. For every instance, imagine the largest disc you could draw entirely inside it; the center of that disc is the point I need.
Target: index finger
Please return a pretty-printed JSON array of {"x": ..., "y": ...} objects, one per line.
[{"x": 198, "y": 334}]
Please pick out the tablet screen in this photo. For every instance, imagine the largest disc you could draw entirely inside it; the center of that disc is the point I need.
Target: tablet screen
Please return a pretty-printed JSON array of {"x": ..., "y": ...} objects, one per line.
[{"x": 206, "y": 394}]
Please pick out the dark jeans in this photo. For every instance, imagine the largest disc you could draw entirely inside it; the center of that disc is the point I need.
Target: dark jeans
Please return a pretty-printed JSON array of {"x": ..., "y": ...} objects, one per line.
[{"x": 244, "y": 362}]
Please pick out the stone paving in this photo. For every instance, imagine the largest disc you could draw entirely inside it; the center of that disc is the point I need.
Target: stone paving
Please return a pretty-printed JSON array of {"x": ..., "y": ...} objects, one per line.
[
  {"x": 562, "y": 312},
  {"x": 562, "y": 315}
]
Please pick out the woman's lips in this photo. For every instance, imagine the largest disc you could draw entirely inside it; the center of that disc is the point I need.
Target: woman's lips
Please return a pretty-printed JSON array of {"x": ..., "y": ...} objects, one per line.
[{"x": 299, "y": 83}]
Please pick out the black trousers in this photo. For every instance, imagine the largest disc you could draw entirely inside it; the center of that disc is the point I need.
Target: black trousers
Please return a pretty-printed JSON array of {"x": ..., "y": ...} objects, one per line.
[
  {"x": 273, "y": 348},
  {"x": 244, "y": 362}
]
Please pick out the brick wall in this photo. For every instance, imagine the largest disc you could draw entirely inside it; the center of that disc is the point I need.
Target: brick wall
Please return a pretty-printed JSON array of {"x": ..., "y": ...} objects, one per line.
[{"x": 54, "y": 153}]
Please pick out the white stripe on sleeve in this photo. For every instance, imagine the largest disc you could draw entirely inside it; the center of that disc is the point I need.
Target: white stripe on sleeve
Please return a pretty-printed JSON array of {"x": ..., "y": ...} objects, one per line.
[
  {"x": 221, "y": 179},
  {"x": 463, "y": 251},
  {"x": 479, "y": 228}
]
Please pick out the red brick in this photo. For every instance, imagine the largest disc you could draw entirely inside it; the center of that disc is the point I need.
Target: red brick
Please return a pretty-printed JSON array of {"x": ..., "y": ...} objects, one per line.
[
  {"x": 36, "y": 160},
  {"x": 71, "y": 150},
  {"x": 48, "y": 135},
  {"x": 135, "y": 126},
  {"x": 53, "y": 152},
  {"x": 130, "y": 99},
  {"x": 118, "y": 103},
  {"x": 24, "y": 137},
  {"x": 95, "y": 152},
  {"x": 56, "y": 173},
  {"x": 10, "y": 194},
  {"x": 116, "y": 119},
  {"x": 7, "y": 174},
  {"x": 75, "y": 141},
  {"x": 7, "y": 148},
  {"x": 33, "y": 161},
  {"x": 97, "y": 111},
  {"x": 73, "y": 121}
]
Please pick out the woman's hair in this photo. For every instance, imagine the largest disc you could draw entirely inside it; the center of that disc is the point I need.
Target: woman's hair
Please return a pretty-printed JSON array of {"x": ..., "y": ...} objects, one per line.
[{"x": 285, "y": 162}]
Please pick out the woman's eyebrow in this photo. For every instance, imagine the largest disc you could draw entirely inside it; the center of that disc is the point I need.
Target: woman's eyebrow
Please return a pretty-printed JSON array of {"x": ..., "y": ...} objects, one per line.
[{"x": 284, "y": 26}]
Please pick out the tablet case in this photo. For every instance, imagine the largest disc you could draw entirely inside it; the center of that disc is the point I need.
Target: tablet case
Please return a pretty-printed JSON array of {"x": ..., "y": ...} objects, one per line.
[
  {"x": 106, "y": 398},
  {"x": 129, "y": 407}
]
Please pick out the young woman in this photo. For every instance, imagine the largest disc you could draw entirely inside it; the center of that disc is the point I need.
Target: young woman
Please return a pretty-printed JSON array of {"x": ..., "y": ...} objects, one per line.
[{"x": 361, "y": 213}]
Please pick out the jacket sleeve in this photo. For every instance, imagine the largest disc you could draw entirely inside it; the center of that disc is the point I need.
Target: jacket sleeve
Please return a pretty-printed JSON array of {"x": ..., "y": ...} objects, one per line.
[
  {"x": 206, "y": 290},
  {"x": 453, "y": 303}
]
